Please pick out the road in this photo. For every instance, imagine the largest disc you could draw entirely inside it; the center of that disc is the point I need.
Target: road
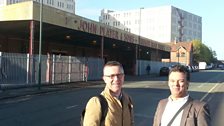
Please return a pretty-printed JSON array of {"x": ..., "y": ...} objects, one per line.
[{"x": 63, "y": 108}]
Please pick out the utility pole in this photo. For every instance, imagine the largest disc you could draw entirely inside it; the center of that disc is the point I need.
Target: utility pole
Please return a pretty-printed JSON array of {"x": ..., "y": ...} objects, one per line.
[
  {"x": 139, "y": 40},
  {"x": 40, "y": 45}
]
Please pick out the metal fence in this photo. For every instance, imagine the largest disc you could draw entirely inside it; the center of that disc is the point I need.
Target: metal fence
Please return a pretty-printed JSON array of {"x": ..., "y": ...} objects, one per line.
[
  {"x": 13, "y": 66},
  {"x": 18, "y": 68}
]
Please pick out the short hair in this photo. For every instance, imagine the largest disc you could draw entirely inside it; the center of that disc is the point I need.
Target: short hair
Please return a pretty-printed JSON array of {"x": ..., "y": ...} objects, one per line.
[
  {"x": 114, "y": 63},
  {"x": 182, "y": 69}
]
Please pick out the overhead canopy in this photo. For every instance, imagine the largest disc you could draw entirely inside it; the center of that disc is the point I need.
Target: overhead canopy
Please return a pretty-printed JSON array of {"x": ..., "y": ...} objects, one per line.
[{"x": 58, "y": 24}]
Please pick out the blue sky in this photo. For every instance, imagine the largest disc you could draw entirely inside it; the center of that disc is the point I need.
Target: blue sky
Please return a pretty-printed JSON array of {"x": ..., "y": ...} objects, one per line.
[{"x": 210, "y": 11}]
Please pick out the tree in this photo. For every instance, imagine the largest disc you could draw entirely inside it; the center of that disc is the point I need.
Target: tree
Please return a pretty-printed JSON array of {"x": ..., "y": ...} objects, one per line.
[
  {"x": 196, "y": 51},
  {"x": 201, "y": 53}
]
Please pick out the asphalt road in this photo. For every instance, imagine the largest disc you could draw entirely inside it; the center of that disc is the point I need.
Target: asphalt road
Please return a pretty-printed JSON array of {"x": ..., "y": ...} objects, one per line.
[{"x": 63, "y": 108}]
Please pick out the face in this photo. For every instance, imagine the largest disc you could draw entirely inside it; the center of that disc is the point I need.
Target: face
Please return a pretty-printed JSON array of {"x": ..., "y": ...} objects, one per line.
[
  {"x": 178, "y": 85},
  {"x": 114, "y": 78}
]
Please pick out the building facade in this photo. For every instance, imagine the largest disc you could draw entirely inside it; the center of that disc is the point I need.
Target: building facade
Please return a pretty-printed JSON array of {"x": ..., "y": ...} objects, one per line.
[
  {"x": 163, "y": 24},
  {"x": 182, "y": 52},
  {"x": 65, "y": 5},
  {"x": 66, "y": 34}
]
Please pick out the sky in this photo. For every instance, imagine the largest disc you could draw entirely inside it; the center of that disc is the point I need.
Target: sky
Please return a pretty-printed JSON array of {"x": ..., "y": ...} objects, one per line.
[{"x": 211, "y": 12}]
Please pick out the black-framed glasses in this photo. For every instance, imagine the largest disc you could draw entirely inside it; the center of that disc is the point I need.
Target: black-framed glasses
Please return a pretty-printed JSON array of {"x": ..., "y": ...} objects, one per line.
[{"x": 112, "y": 76}]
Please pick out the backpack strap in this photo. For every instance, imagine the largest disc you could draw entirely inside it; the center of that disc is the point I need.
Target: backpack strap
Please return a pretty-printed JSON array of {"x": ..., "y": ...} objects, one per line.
[{"x": 104, "y": 107}]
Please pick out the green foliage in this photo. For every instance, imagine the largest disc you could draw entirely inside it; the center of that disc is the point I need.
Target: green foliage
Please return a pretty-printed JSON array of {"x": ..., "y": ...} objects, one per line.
[{"x": 201, "y": 53}]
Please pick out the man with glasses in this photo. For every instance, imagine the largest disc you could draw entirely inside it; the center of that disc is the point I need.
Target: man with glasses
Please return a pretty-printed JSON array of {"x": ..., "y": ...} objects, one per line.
[{"x": 120, "y": 107}]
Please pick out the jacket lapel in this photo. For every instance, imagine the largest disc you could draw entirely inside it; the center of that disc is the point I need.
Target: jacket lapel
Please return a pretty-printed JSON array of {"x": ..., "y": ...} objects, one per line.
[
  {"x": 186, "y": 111},
  {"x": 161, "y": 109}
]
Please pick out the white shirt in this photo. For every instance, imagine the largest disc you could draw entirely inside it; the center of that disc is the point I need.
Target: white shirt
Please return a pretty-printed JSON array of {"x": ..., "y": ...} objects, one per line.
[{"x": 170, "y": 110}]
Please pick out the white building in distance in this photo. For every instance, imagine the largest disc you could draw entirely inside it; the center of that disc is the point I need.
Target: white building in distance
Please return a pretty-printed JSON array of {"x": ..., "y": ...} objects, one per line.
[
  {"x": 162, "y": 24},
  {"x": 65, "y": 5}
]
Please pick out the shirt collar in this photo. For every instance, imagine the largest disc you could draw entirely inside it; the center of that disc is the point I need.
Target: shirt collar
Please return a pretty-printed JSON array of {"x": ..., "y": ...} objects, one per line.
[
  {"x": 179, "y": 99},
  {"x": 108, "y": 91}
]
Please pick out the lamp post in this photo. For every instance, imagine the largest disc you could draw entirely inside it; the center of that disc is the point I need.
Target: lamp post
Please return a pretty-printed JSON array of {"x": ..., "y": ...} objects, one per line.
[
  {"x": 139, "y": 39},
  {"x": 40, "y": 45}
]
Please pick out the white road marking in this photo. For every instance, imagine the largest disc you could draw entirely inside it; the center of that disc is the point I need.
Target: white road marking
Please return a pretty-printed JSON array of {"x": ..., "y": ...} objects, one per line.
[
  {"x": 201, "y": 85},
  {"x": 208, "y": 92},
  {"x": 210, "y": 98},
  {"x": 17, "y": 100},
  {"x": 73, "y": 106}
]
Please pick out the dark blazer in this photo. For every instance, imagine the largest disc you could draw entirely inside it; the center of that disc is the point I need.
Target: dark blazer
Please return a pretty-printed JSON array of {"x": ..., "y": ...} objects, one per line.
[{"x": 196, "y": 113}]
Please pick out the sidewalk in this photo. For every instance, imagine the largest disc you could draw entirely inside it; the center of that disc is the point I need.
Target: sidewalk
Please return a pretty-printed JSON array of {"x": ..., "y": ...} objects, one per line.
[{"x": 33, "y": 90}]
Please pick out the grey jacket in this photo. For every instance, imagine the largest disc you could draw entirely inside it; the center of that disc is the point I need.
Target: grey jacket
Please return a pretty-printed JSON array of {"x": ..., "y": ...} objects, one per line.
[{"x": 196, "y": 113}]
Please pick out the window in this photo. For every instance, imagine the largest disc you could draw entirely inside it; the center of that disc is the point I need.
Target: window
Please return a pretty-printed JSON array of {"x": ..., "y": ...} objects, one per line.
[
  {"x": 62, "y": 5},
  {"x": 182, "y": 54}
]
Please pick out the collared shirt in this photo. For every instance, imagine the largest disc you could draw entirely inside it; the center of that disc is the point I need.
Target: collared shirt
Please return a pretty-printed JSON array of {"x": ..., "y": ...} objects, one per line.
[
  {"x": 171, "y": 108},
  {"x": 120, "y": 96}
]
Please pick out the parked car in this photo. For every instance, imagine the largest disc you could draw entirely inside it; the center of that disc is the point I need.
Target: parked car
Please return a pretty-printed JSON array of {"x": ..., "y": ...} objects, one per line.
[
  {"x": 164, "y": 71},
  {"x": 196, "y": 68},
  {"x": 189, "y": 68},
  {"x": 222, "y": 67}
]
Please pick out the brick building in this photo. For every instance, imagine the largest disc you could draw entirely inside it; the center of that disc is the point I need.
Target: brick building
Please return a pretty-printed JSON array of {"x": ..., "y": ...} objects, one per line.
[{"x": 181, "y": 52}]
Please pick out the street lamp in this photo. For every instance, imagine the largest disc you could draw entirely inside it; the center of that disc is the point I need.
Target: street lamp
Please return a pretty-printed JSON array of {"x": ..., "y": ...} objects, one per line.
[
  {"x": 139, "y": 39},
  {"x": 40, "y": 44}
]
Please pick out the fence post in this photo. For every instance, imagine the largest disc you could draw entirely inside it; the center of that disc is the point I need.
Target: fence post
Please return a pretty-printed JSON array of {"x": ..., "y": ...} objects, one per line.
[
  {"x": 27, "y": 68},
  {"x": 1, "y": 76},
  {"x": 53, "y": 70},
  {"x": 69, "y": 68}
]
